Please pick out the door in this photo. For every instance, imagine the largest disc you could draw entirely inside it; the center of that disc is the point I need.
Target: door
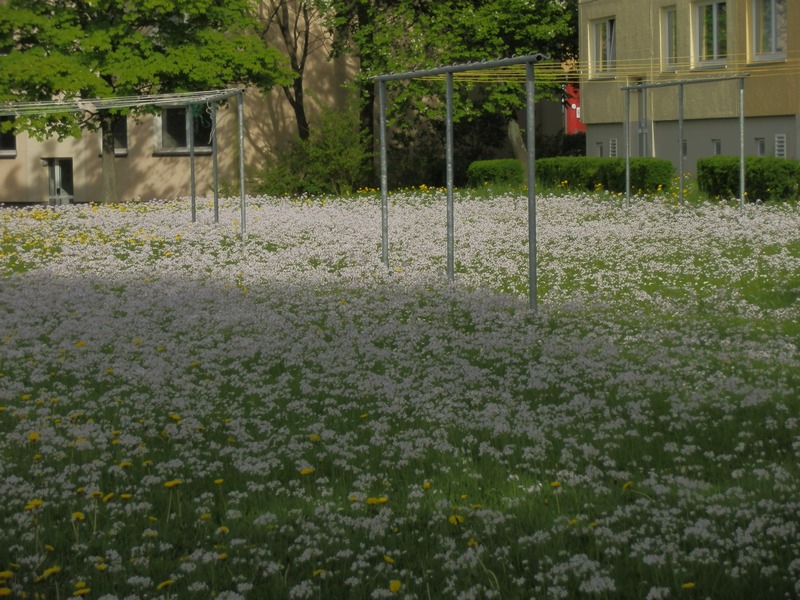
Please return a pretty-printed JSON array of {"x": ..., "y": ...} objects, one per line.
[{"x": 61, "y": 186}]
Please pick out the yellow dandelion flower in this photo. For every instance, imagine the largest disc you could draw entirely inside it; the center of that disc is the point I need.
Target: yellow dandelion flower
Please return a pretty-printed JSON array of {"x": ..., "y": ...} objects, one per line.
[
  {"x": 126, "y": 496},
  {"x": 6, "y": 574},
  {"x": 223, "y": 529},
  {"x": 472, "y": 543},
  {"x": 125, "y": 464},
  {"x": 388, "y": 559},
  {"x": 35, "y": 503},
  {"x": 205, "y": 517},
  {"x": 628, "y": 485},
  {"x": 108, "y": 496},
  {"x": 173, "y": 483},
  {"x": 314, "y": 437},
  {"x": 222, "y": 555},
  {"x": 378, "y": 500},
  {"x": 80, "y": 344},
  {"x": 81, "y": 591},
  {"x": 49, "y": 548},
  {"x": 426, "y": 485},
  {"x": 4, "y": 591},
  {"x": 219, "y": 481},
  {"x": 34, "y": 436},
  {"x": 394, "y": 586},
  {"x": 165, "y": 584},
  {"x": 455, "y": 519},
  {"x": 555, "y": 484},
  {"x": 318, "y": 573},
  {"x": 306, "y": 471},
  {"x": 101, "y": 567},
  {"x": 689, "y": 585},
  {"x": 47, "y": 573}
]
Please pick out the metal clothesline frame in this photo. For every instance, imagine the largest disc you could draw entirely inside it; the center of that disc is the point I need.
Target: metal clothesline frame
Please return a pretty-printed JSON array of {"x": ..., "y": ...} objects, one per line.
[
  {"x": 684, "y": 82},
  {"x": 448, "y": 72},
  {"x": 187, "y": 99}
]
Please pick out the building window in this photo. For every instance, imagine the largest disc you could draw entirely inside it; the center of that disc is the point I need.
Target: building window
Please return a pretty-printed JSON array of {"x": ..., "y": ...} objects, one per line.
[
  {"x": 712, "y": 32},
  {"x": 173, "y": 134},
  {"x": 604, "y": 50},
  {"x": 780, "y": 145},
  {"x": 684, "y": 149},
  {"x": 761, "y": 147},
  {"x": 669, "y": 31},
  {"x": 121, "y": 137},
  {"x": 769, "y": 31},
  {"x": 8, "y": 140},
  {"x": 612, "y": 148},
  {"x": 717, "y": 147},
  {"x": 600, "y": 149}
]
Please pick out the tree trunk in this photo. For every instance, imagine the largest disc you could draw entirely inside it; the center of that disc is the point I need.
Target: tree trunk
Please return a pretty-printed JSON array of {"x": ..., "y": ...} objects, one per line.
[
  {"x": 107, "y": 121},
  {"x": 518, "y": 145}
]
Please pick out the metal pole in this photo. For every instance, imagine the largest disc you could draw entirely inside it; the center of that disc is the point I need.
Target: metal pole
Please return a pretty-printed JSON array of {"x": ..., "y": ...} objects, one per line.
[
  {"x": 240, "y": 111},
  {"x": 626, "y": 126},
  {"x": 530, "y": 124},
  {"x": 190, "y": 142},
  {"x": 449, "y": 163},
  {"x": 680, "y": 143},
  {"x": 741, "y": 144},
  {"x": 214, "y": 165},
  {"x": 384, "y": 174}
]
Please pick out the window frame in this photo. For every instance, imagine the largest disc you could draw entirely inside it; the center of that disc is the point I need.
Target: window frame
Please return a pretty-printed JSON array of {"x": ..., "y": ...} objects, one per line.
[
  {"x": 604, "y": 46},
  {"x": 774, "y": 52},
  {"x": 8, "y": 140},
  {"x": 669, "y": 41},
  {"x": 162, "y": 125},
  {"x": 719, "y": 54}
]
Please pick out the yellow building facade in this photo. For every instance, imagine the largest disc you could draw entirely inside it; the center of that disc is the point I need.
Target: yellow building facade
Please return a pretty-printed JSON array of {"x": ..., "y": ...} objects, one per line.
[{"x": 644, "y": 42}]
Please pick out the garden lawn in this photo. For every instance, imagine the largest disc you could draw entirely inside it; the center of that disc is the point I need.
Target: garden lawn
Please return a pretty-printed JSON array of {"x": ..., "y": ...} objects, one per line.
[{"x": 185, "y": 413}]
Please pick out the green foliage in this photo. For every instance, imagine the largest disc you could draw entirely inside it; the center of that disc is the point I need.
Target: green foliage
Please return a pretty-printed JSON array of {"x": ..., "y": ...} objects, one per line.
[
  {"x": 503, "y": 171},
  {"x": 110, "y": 48},
  {"x": 591, "y": 173},
  {"x": 766, "y": 178},
  {"x": 333, "y": 160}
]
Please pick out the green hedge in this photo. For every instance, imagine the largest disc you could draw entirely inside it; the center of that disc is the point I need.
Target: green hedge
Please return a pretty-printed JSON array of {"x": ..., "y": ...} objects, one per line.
[
  {"x": 504, "y": 170},
  {"x": 766, "y": 177},
  {"x": 590, "y": 173}
]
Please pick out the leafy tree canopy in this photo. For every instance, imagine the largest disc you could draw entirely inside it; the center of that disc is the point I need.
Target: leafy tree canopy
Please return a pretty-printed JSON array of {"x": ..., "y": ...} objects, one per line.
[{"x": 107, "y": 48}]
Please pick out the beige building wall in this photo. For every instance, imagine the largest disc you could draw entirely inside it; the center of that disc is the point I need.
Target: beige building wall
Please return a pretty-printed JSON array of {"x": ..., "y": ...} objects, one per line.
[
  {"x": 144, "y": 173},
  {"x": 710, "y": 110}
]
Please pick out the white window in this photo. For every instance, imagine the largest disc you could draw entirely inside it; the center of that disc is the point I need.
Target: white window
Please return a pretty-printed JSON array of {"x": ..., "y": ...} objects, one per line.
[
  {"x": 172, "y": 132},
  {"x": 612, "y": 148},
  {"x": 604, "y": 50},
  {"x": 599, "y": 149},
  {"x": 717, "y": 147},
  {"x": 780, "y": 145},
  {"x": 712, "y": 32},
  {"x": 761, "y": 147},
  {"x": 669, "y": 33},
  {"x": 769, "y": 28},
  {"x": 8, "y": 141}
]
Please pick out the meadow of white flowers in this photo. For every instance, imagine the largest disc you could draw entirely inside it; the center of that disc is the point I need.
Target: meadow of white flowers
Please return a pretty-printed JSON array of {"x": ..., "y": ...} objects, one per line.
[{"x": 186, "y": 413}]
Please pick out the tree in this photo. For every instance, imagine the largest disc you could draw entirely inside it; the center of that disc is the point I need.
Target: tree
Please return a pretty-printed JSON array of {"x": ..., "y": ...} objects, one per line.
[
  {"x": 106, "y": 48},
  {"x": 298, "y": 27},
  {"x": 403, "y": 35}
]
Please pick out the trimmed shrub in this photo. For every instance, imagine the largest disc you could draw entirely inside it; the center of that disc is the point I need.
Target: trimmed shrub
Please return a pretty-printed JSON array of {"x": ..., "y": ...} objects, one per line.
[
  {"x": 766, "y": 177},
  {"x": 506, "y": 171},
  {"x": 590, "y": 173}
]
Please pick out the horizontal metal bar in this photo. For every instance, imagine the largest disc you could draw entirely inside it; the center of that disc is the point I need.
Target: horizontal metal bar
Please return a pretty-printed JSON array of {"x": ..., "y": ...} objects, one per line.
[
  {"x": 641, "y": 86},
  {"x": 473, "y": 66},
  {"x": 92, "y": 104}
]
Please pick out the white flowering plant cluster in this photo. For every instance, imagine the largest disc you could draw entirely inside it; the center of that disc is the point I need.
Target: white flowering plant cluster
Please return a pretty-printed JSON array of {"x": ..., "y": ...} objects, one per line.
[{"x": 186, "y": 413}]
